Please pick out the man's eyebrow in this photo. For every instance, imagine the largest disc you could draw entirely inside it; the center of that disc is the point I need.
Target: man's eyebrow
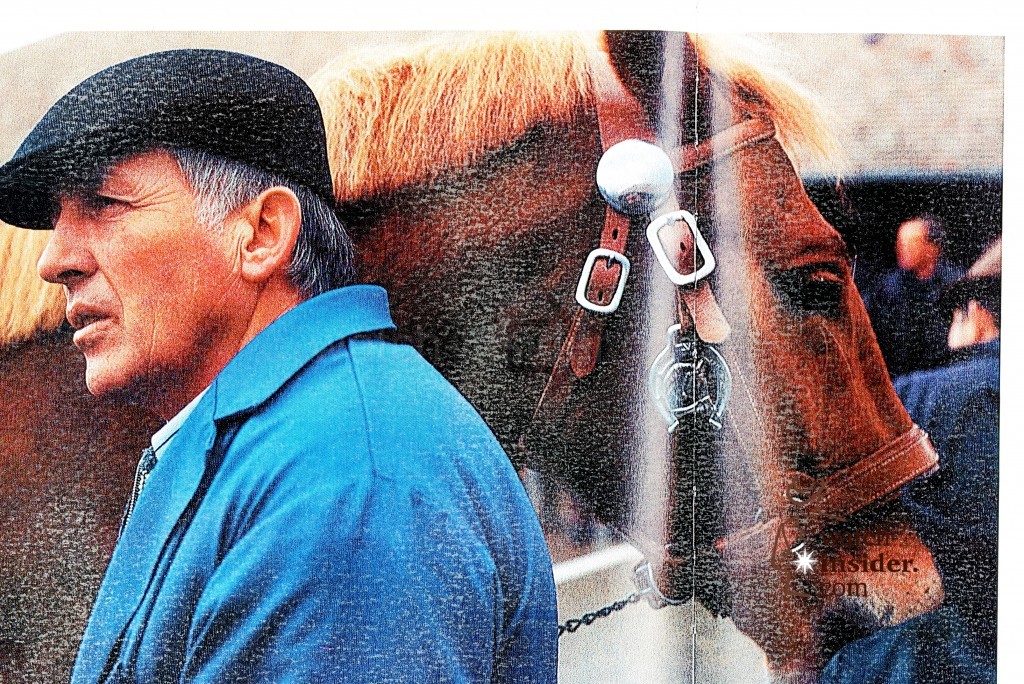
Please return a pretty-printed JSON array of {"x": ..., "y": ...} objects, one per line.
[{"x": 86, "y": 182}]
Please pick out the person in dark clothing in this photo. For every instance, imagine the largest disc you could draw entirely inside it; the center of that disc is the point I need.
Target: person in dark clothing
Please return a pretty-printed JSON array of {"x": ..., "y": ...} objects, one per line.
[
  {"x": 955, "y": 509},
  {"x": 904, "y": 306}
]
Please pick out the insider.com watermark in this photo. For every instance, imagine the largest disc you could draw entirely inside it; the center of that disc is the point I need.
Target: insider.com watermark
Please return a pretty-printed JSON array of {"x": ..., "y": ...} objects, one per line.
[{"x": 837, "y": 573}]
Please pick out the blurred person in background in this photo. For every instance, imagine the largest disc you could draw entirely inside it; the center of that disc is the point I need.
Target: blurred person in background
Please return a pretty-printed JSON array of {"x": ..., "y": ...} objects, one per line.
[{"x": 904, "y": 307}]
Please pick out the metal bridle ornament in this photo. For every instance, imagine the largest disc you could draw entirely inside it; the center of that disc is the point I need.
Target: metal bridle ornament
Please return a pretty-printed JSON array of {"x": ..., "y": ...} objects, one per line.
[
  {"x": 635, "y": 177},
  {"x": 612, "y": 257},
  {"x": 703, "y": 250},
  {"x": 689, "y": 377}
]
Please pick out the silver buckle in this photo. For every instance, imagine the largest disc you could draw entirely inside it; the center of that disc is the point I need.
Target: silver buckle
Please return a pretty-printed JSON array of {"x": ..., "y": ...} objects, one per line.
[
  {"x": 698, "y": 240},
  {"x": 588, "y": 269}
]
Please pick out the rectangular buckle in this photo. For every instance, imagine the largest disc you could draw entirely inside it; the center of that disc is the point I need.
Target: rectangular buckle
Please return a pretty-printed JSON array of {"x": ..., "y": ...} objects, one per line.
[
  {"x": 699, "y": 242},
  {"x": 588, "y": 269}
]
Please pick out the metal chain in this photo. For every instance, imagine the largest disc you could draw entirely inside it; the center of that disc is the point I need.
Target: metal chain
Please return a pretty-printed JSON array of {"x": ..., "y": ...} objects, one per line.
[{"x": 572, "y": 624}]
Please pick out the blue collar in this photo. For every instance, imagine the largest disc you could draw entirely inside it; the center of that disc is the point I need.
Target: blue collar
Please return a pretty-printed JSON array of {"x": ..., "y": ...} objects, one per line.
[{"x": 289, "y": 343}]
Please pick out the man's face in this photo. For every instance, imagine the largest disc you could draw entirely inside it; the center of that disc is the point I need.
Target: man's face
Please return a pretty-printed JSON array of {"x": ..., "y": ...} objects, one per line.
[
  {"x": 914, "y": 251},
  {"x": 150, "y": 291}
]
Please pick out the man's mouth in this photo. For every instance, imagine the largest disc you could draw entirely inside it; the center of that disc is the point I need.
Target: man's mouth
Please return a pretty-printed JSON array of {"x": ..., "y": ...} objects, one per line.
[{"x": 87, "y": 322}]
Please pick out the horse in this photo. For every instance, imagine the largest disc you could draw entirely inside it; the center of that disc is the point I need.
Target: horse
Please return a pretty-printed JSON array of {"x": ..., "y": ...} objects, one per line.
[{"x": 466, "y": 172}]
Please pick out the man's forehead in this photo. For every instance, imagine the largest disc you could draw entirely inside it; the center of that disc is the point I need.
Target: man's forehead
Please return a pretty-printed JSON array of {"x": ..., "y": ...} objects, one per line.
[
  {"x": 122, "y": 172},
  {"x": 914, "y": 228}
]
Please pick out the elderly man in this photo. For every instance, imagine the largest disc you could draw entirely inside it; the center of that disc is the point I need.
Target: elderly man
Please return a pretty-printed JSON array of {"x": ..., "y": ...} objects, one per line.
[{"x": 321, "y": 505}]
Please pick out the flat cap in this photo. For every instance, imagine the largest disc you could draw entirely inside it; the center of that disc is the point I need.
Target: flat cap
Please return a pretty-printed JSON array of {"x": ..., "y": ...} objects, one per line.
[{"x": 224, "y": 103}]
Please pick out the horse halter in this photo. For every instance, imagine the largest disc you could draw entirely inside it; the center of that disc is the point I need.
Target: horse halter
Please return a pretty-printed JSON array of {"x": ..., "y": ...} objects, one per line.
[{"x": 690, "y": 377}]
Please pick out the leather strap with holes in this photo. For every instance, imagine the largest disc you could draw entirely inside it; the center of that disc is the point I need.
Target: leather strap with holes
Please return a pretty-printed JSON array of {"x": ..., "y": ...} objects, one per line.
[{"x": 620, "y": 117}]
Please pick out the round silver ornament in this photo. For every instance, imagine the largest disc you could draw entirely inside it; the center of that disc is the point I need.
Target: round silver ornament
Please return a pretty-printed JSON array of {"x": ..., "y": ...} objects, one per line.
[{"x": 635, "y": 177}]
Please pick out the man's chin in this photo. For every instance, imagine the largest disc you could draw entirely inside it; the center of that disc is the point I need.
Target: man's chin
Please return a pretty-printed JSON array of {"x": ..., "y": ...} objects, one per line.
[
  {"x": 123, "y": 389},
  {"x": 109, "y": 393},
  {"x": 113, "y": 388}
]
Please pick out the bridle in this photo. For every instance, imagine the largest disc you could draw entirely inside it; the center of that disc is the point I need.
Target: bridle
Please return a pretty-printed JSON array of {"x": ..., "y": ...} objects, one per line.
[{"x": 636, "y": 178}]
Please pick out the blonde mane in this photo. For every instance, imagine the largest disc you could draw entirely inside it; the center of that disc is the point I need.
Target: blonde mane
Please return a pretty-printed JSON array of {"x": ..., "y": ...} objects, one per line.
[
  {"x": 400, "y": 118},
  {"x": 28, "y": 304},
  {"x": 762, "y": 89},
  {"x": 395, "y": 120}
]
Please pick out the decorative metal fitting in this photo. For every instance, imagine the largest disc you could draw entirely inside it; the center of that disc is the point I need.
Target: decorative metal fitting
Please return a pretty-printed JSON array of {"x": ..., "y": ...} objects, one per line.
[
  {"x": 643, "y": 578},
  {"x": 635, "y": 177},
  {"x": 689, "y": 377}
]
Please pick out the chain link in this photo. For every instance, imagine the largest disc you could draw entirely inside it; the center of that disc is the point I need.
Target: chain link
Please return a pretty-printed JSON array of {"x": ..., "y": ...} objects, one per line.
[{"x": 572, "y": 624}]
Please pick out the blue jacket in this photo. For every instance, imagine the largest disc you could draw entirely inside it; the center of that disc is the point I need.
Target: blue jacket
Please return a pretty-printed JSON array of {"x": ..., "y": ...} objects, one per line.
[
  {"x": 332, "y": 510},
  {"x": 908, "y": 323},
  {"x": 958, "y": 406},
  {"x": 934, "y": 648}
]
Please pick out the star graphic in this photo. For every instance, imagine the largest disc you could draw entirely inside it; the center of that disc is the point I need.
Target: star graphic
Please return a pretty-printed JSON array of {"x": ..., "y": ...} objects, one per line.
[{"x": 805, "y": 560}]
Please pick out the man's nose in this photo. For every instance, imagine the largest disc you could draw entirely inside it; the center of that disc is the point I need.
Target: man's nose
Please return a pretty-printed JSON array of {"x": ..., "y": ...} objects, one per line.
[{"x": 66, "y": 257}]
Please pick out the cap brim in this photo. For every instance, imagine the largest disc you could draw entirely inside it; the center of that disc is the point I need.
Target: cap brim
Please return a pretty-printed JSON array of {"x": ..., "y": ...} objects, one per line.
[{"x": 29, "y": 185}]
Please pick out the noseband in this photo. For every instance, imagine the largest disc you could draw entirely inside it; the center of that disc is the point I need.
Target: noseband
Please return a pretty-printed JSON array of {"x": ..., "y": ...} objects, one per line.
[{"x": 690, "y": 377}]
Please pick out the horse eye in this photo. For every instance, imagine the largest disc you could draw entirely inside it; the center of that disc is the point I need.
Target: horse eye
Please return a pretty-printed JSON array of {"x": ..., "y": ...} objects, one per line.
[{"x": 808, "y": 290}]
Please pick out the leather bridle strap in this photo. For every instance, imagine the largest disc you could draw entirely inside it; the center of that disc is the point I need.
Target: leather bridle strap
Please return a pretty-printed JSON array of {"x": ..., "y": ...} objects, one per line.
[
  {"x": 815, "y": 504},
  {"x": 733, "y": 139},
  {"x": 621, "y": 117},
  {"x": 697, "y": 304},
  {"x": 835, "y": 498}
]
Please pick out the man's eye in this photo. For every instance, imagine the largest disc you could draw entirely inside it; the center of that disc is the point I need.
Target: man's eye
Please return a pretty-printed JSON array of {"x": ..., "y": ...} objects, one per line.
[
  {"x": 102, "y": 203},
  {"x": 814, "y": 289}
]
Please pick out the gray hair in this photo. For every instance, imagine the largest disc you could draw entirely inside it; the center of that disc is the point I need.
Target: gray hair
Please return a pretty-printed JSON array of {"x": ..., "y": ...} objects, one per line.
[{"x": 324, "y": 256}]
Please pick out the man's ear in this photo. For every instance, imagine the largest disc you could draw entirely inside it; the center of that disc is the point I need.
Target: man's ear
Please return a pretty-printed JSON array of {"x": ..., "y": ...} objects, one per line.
[{"x": 273, "y": 221}]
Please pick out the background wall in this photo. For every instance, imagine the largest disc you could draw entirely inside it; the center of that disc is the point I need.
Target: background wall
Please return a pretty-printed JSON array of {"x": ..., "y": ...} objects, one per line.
[
  {"x": 906, "y": 101},
  {"x": 899, "y": 101}
]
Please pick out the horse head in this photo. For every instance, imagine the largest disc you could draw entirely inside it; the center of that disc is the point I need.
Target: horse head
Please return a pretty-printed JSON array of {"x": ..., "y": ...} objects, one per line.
[{"x": 468, "y": 172}]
